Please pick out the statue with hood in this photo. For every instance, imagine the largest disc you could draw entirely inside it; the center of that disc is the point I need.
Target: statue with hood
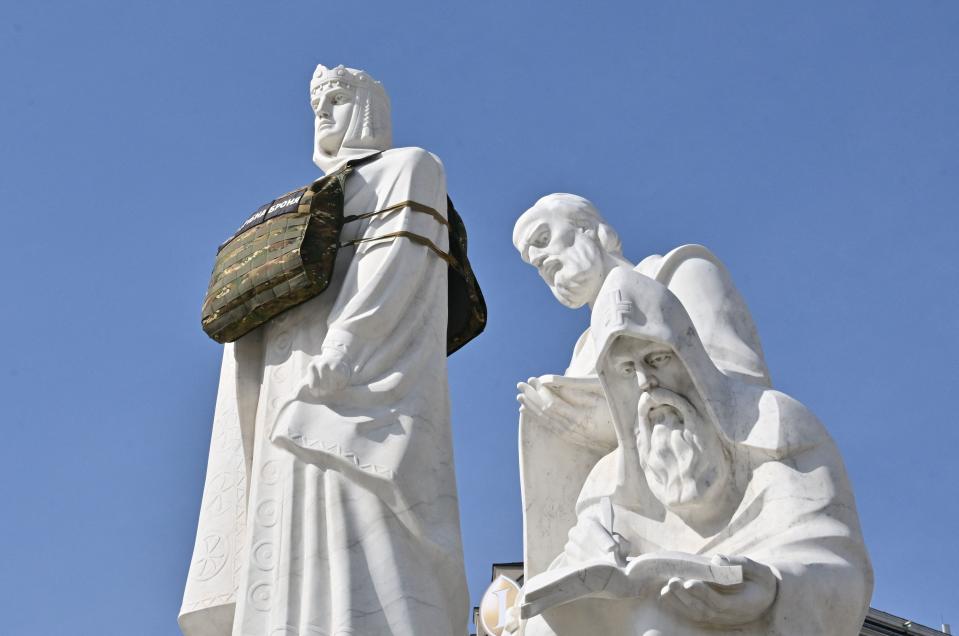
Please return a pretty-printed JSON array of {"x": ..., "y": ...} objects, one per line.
[
  {"x": 720, "y": 507},
  {"x": 330, "y": 503}
]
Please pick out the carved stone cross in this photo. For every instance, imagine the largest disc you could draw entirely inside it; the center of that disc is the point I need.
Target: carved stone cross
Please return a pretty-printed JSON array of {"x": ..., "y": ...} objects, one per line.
[{"x": 616, "y": 316}]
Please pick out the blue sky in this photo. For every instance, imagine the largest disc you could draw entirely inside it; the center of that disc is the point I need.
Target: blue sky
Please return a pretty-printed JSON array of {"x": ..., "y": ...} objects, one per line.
[{"x": 813, "y": 146}]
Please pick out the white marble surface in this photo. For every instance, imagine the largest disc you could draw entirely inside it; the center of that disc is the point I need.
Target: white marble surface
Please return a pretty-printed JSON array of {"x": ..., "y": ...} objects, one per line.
[
  {"x": 330, "y": 504},
  {"x": 664, "y": 436}
]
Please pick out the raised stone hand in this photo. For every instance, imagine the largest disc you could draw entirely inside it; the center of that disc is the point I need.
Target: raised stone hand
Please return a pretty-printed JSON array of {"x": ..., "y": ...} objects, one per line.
[
  {"x": 328, "y": 373},
  {"x": 712, "y": 604},
  {"x": 540, "y": 400},
  {"x": 589, "y": 539},
  {"x": 575, "y": 409}
]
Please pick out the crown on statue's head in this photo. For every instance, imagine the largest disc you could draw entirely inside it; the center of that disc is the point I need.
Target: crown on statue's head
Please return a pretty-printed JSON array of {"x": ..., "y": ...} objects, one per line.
[{"x": 325, "y": 78}]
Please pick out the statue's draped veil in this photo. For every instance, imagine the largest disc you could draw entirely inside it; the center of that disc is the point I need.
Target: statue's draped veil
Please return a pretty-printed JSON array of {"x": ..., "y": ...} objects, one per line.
[{"x": 370, "y": 127}]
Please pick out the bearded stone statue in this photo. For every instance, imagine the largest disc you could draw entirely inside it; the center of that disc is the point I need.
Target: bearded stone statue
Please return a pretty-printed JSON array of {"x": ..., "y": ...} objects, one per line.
[{"x": 667, "y": 488}]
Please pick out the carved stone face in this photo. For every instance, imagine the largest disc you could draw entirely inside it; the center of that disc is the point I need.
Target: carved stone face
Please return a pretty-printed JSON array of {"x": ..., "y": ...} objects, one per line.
[
  {"x": 567, "y": 253},
  {"x": 333, "y": 107},
  {"x": 680, "y": 451}
]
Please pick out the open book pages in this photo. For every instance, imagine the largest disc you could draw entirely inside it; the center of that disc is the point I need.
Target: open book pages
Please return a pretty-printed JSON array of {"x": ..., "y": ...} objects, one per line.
[{"x": 604, "y": 579}]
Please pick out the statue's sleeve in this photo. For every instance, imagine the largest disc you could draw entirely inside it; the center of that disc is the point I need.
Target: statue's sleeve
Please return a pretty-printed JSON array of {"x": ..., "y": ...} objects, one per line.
[
  {"x": 808, "y": 532},
  {"x": 386, "y": 275},
  {"x": 210, "y": 593}
]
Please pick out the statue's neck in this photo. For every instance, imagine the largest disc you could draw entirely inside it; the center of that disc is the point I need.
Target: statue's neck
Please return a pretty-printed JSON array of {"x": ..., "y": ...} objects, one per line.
[{"x": 331, "y": 163}]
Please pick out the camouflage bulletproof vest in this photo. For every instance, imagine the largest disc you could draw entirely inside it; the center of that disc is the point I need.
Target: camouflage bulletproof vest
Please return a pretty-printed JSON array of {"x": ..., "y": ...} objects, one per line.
[{"x": 283, "y": 255}]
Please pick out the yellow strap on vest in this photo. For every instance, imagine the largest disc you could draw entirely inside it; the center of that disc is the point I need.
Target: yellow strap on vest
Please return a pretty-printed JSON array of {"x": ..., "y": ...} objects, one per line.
[
  {"x": 413, "y": 205},
  {"x": 416, "y": 238}
]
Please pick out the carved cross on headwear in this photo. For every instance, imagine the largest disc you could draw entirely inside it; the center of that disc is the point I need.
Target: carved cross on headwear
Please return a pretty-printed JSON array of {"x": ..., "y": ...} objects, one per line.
[{"x": 618, "y": 310}]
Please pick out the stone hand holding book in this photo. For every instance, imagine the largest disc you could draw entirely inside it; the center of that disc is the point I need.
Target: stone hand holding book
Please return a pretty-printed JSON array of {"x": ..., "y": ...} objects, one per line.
[{"x": 640, "y": 576}]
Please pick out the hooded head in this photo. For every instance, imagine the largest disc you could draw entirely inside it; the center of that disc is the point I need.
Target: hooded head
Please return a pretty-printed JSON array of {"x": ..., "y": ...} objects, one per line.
[
  {"x": 352, "y": 113},
  {"x": 566, "y": 240},
  {"x": 669, "y": 402}
]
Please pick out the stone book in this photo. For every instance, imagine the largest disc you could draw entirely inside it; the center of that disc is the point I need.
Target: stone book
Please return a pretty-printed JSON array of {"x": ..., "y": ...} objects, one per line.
[{"x": 604, "y": 579}]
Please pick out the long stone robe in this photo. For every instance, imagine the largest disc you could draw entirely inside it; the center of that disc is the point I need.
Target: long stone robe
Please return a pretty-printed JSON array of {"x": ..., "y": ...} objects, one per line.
[
  {"x": 797, "y": 515},
  {"x": 339, "y": 516}
]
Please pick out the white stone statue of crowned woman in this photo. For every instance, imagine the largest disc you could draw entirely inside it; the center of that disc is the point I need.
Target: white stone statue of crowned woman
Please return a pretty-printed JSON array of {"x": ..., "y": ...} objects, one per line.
[{"x": 330, "y": 503}]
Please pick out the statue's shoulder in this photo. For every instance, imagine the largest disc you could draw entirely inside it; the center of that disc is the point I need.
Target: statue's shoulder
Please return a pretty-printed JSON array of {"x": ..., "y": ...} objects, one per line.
[
  {"x": 692, "y": 255},
  {"x": 786, "y": 426},
  {"x": 413, "y": 159}
]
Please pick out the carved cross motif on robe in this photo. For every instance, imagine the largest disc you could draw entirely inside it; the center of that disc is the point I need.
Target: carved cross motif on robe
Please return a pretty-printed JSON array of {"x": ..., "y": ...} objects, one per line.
[{"x": 618, "y": 310}]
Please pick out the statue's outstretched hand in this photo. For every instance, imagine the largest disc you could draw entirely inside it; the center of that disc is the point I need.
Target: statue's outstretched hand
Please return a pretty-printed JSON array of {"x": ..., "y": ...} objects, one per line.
[
  {"x": 722, "y": 605},
  {"x": 328, "y": 373},
  {"x": 540, "y": 400}
]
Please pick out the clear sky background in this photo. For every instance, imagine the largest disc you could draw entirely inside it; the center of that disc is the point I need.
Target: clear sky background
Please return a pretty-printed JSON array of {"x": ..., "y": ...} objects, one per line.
[{"x": 814, "y": 146}]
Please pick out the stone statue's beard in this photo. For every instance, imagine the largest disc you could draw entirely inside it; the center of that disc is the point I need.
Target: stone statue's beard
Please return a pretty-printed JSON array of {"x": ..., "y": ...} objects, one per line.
[
  {"x": 679, "y": 451},
  {"x": 578, "y": 280}
]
